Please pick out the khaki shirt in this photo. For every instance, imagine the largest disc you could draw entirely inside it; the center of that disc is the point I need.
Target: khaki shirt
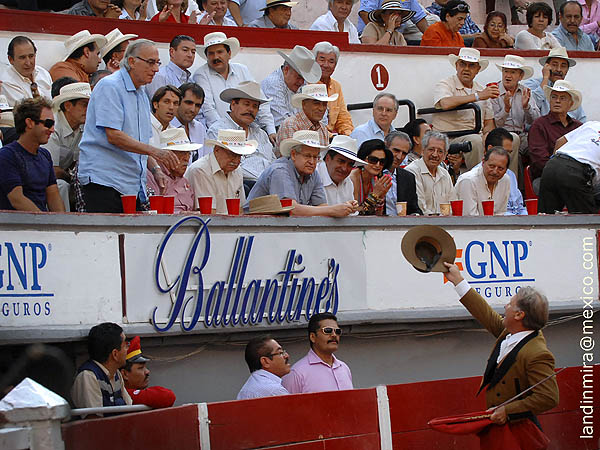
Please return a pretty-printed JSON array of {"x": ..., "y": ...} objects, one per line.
[
  {"x": 458, "y": 120},
  {"x": 208, "y": 180},
  {"x": 472, "y": 188},
  {"x": 431, "y": 191},
  {"x": 86, "y": 393}
]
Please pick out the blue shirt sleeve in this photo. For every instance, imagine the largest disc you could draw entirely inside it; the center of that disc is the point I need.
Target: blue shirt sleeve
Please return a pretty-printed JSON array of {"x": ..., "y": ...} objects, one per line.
[
  {"x": 109, "y": 109},
  {"x": 419, "y": 11}
]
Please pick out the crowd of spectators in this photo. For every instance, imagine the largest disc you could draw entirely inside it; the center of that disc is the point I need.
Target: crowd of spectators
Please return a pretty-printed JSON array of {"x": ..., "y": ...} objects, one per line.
[{"x": 140, "y": 127}]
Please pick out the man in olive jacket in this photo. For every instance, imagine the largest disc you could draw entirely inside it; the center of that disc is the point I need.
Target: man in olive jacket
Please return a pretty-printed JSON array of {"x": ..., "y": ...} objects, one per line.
[{"x": 520, "y": 357}]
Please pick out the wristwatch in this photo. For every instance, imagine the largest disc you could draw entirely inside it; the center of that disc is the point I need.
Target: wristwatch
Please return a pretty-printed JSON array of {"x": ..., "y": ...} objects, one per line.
[{"x": 155, "y": 169}]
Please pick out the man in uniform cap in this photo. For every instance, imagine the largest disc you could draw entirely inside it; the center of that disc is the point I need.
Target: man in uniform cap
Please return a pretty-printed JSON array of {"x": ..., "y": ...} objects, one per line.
[{"x": 136, "y": 376}]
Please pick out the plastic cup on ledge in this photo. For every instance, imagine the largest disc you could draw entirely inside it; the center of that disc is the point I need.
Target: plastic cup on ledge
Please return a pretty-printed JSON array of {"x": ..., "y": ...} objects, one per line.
[
  {"x": 532, "y": 206},
  {"x": 233, "y": 206},
  {"x": 445, "y": 209},
  {"x": 285, "y": 202},
  {"x": 401, "y": 208},
  {"x": 457, "y": 207},
  {"x": 157, "y": 203},
  {"x": 129, "y": 203},
  {"x": 488, "y": 207},
  {"x": 205, "y": 205},
  {"x": 169, "y": 204}
]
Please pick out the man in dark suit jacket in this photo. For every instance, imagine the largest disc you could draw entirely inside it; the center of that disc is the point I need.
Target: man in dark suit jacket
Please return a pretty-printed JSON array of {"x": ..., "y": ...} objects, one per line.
[
  {"x": 520, "y": 357},
  {"x": 403, "y": 187}
]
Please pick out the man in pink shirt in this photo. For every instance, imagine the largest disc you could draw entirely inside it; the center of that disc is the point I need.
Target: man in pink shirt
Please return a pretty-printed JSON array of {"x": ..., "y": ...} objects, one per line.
[{"x": 320, "y": 370}]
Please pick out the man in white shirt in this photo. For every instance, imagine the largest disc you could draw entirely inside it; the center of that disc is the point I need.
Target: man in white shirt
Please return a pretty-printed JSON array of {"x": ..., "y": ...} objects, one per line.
[
  {"x": 336, "y": 19},
  {"x": 434, "y": 185},
  {"x": 485, "y": 182},
  {"x": 569, "y": 176},
  {"x": 268, "y": 362},
  {"x": 165, "y": 102},
  {"x": 219, "y": 74},
  {"x": 192, "y": 98},
  {"x": 182, "y": 53},
  {"x": 245, "y": 11},
  {"x": 339, "y": 161},
  {"x": 23, "y": 78},
  {"x": 218, "y": 174}
]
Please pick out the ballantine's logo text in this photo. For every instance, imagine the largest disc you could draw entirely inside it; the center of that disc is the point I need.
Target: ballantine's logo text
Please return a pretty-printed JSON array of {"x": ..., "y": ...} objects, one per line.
[{"x": 237, "y": 301}]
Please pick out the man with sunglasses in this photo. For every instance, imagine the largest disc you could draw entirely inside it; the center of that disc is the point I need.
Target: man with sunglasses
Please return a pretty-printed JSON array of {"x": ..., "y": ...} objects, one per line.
[
  {"x": 320, "y": 370},
  {"x": 268, "y": 362},
  {"x": 27, "y": 179}
]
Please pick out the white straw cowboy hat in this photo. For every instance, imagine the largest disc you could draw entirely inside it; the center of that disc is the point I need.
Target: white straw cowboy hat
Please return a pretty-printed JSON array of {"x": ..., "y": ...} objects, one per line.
[
  {"x": 267, "y": 204},
  {"x": 312, "y": 92},
  {"x": 303, "y": 61},
  {"x": 4, "y": 106},
  {"x": 177, "y": 140},
  {"x": 392, "y": 5},
  {"x": 345, "y": 146},
  {"x": 469, "y": 54},
  {"x": 115, "y": 38},
  {"x": 217, "y": 38},
  {"x": 246, "y": 89},
  {"x": 83, "y": 38},
  {"x": 301, "y": 137},
  {"x": 565, "y": 86},
  {"x": 516, "y": 62},
  {"x": 271, "y": 3},
  {"x": 558, "y": 52},
  {"x": 234, "y": 140},
  {"x": 71, "y": 92}
]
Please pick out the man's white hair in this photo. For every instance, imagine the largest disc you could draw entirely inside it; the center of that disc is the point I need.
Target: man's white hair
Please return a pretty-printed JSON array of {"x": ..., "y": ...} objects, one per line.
[
  {"x": 326, "y": 47},
  {"x": 133, "y": 49}
]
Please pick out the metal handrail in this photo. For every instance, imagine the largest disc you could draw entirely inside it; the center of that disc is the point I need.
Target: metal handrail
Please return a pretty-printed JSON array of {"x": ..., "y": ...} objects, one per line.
[
  {"x": 109, "y": 410},
  {"x": 451, "y": 134},
  {"x": 412, "y": 110}
]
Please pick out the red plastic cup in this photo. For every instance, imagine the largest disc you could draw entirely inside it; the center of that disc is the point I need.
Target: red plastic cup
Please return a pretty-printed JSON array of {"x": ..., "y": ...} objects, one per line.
[
  {"x": 286, "y": 202},
  {"x": 233, "y": 206},
  {"x": 492, "y": 84},
  {"x": 532, "y": 206},
  {"x": 129, "y": 203},
  {"x": 157, "y": 203},
  {"x": 169, "y": 204},
  {"x": 457, "y": 207},
  {"x": 205, "y": 205},
  {"x": 488, "y": 207}
]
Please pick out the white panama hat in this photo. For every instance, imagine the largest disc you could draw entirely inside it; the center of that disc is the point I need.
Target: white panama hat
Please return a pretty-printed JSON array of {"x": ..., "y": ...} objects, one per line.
[
  {"x": 271, "y": 3},
  {"x": 565, "y": 86},
  {"x": 558, "y": 52},
  {"x": 82, "y": 38},
  {"x": 516, "y": 62},
  {"x": 177, "y": 140},
  {"x": 115, "y": 38},
  {"x": 301, "y": 137},
  {"x": 217, "y": 38},
  {"x": 234, "y": 140},
  {"x": 312, "y": 92},
  {"x": 71, "y": 92},
  {"x": 469, "y": 54},
  {"x": 345, "y": 146}
]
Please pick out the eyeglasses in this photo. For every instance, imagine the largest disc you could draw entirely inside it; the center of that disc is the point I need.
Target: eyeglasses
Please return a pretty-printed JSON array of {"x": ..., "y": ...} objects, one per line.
[
  {"x": 316, "y": 158},
  {"x": 384, "y": 109},
  {"x": 150, "y": 62},
  {"x": 462, "y": 8},
  {"x": 48, "y": 123},
  {"x": 496, "y": 26},
  {"x": 374, "y": 160},
  {"x": 279, "y": 353},
  {"x": 331, "y": 330}
]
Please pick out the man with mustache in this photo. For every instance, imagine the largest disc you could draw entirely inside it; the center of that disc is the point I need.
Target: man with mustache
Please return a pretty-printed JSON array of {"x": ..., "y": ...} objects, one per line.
[
  {"x": 219, "y": 74},
  {"x": 320, "y": 370},
  {"x": 268, "y": 362},
  {"x": 137, "y": 376},
  {"x": 182, "y": 53},
  {"x": 555, "y": 67},
  {"x": 244, "y": 103},
  {"x": 485, "y": 182},
  {"x": 568, "y": 32}
]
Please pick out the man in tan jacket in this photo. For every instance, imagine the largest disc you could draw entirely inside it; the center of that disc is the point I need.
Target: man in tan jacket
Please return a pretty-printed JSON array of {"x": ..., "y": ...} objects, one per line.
[{"x": 520, "y": 357}]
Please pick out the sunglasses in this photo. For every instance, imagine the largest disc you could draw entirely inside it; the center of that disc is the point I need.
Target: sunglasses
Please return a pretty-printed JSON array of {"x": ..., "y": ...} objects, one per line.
[
  {"x": 374, "y": 160},
  {"x": 331, "y": 330},
  {"x": 461, "y": 8},
  {"x": 48, "y": 123}
]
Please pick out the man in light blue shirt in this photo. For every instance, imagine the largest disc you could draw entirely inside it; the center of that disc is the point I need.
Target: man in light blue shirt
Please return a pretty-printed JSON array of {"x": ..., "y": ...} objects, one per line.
[
  {"x": 114, "y": 149},
  {"x": 568, "y": 32},
  {"x": 268, "y": 362},
  {"x": 182, "y": 52},
  {"x": 385, "y": 109},
  {"x": 245, "y": 11}
]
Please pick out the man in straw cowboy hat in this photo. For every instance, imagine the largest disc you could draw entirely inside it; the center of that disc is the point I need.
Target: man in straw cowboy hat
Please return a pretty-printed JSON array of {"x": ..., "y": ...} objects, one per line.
[
  {"x": 514, "y": 109},
  {"x": 460, "y": 89},
  {"x": 23, "y": 78},
  {"x": 219, "y": 74},
  {"x": 293, "y": 177},
  {"x": 277, "y": 14},
  {"x": 312, "y": 102},
  {"x": 555, "y": 67},
  {"x": 298, "y": 67},
  {"x": 336, "y": 19},
  {"x": 70, "y": 110},
  {"x": 340, "y": 158},
  {"x": 218, "y": 174},
  {"x": 82, "y": 57},
  {"x": 175, "y": 140},
  {"x": 546, "y": 130},
  {"x": 244, "y": 103},
  {"x": 112, "y": 53},
  {"x": 569, "y": 176},
  {"x": 182, "y": 53},
  {"x": 114, "y": 149}
]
